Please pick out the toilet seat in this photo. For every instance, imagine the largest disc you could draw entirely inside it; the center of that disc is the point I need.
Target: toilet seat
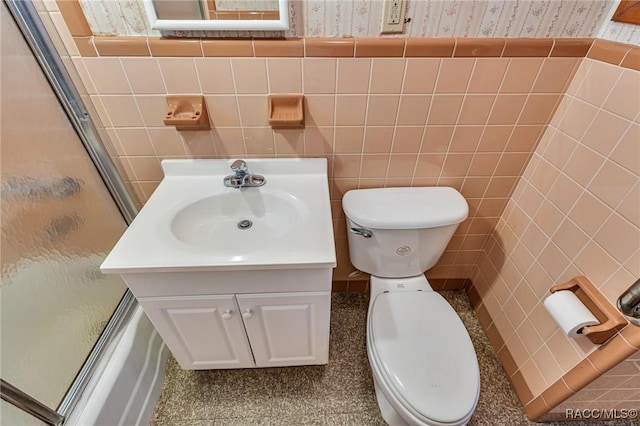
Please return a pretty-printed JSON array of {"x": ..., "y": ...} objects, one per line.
[{"x": 423, "y": 357}]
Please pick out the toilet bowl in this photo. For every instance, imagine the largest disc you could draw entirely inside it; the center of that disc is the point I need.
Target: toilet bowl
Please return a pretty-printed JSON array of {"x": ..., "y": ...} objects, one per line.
[
  {"x": 424, "y": 366},
  {"x": 423, "y": 362}
]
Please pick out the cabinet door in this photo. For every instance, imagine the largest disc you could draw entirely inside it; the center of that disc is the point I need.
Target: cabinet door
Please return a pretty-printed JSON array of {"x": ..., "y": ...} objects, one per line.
[
  {"x": 202, "y": 332},
  {"x": 287, "y": 328}
]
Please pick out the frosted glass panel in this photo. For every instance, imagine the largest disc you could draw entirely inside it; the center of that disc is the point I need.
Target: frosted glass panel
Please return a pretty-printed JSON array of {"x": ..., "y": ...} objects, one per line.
[
  {"x": 14, "y": 416},
  {"x": 58, "y": 223}
]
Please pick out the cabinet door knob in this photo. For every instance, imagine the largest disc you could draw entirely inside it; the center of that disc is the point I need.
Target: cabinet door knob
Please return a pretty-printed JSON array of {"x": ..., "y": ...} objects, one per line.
[
  {"x": 227, "y": 314},
  {"x": 247, "y": 314}
]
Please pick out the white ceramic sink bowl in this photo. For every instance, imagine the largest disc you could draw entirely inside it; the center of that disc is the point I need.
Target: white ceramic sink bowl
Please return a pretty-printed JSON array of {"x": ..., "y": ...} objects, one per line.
[
  {"x": 239, "y": 221},
  {"x": 191, "y": 222}
]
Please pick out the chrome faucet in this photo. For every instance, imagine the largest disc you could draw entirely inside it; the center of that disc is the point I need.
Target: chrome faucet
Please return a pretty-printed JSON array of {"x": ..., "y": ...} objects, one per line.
[{"x": 241, "y": 177}]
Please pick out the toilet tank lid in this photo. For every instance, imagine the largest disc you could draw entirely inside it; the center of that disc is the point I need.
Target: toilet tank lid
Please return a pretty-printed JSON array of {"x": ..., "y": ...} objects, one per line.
[{"x": 405, "y": 208}]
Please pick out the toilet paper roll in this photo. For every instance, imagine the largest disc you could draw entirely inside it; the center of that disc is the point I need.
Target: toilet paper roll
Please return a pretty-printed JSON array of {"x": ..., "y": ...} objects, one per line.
[{"x": 569, "y": 312}]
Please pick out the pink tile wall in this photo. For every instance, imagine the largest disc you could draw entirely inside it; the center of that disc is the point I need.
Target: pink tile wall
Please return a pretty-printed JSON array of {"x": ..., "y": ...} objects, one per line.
[
  {"x": 617, "y": 389},
  {"x": 463, "y": 122},
  {"x": 574, "y": 212}
]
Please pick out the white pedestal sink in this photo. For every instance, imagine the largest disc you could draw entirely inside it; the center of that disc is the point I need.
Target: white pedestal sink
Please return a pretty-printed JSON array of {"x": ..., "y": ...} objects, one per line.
[{"x": 234, "y": 277}]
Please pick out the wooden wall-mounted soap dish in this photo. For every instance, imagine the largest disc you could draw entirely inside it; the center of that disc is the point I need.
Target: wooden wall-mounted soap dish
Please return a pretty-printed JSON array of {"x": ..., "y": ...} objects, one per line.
[
  {"x": 611, "y": 321},
  {"x": 187, "y": 112}
]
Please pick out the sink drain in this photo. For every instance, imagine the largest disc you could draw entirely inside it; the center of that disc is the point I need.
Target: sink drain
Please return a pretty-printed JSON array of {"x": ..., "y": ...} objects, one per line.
[{"x": 245, "y": 224}]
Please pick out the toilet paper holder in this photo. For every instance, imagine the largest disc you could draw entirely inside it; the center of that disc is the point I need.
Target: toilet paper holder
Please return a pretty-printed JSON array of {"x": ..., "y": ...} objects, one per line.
[{"x": 611, "y": 321}]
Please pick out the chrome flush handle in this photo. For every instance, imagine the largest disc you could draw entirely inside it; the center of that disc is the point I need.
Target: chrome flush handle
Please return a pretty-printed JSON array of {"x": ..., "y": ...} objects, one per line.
[{"x": 362, "y": 232}]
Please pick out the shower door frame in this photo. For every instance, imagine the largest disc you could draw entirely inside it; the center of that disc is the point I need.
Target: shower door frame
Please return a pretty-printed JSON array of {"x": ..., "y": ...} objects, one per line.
[{"x": 41, "y": 44}]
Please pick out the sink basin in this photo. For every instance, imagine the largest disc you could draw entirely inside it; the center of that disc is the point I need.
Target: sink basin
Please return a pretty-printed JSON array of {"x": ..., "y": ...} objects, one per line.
[
  {"x": 239, "y": 221},
  {"x": 192, "y": 222}
]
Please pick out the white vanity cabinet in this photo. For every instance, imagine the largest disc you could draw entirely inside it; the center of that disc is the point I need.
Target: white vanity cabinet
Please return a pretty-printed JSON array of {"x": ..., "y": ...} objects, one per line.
[
  {"x": 228, "y": 319},
  {"x": 202, "y": 332},
  {"x": 235, "y": 277},
  {"x": 231, "y": 331},
  {"x": 287, "y": 328}
]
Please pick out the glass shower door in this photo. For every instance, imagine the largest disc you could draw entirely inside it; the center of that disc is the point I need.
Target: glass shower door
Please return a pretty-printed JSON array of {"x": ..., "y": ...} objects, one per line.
[{"x": 58, "y": 222}]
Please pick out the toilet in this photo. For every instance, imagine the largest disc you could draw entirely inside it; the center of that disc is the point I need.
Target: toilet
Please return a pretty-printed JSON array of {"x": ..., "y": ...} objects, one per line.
[{"x": 424, "y": 366}]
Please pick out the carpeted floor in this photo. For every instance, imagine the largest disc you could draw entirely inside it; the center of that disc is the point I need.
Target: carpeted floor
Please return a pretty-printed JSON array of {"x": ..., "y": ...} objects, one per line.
[{"x": 339, "y": 393}]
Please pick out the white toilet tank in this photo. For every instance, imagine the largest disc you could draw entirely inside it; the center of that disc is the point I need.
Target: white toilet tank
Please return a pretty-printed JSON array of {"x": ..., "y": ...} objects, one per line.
[{"x": 401, "y": 232}]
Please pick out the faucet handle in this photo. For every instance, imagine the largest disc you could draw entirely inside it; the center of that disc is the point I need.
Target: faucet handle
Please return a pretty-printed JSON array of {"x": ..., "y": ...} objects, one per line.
[{"x": 239, "y": 165}]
